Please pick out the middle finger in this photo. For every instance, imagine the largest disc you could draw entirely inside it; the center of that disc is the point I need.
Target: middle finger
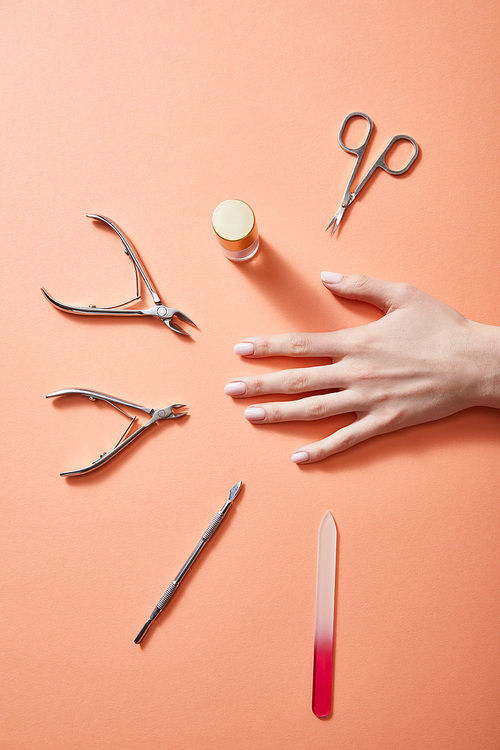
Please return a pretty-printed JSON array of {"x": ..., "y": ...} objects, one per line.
[{"x": 298, "y": 380}]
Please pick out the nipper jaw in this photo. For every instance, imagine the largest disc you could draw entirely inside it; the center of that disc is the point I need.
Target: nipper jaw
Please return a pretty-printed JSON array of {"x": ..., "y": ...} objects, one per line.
[
  {"x": 159, "y": 310},
  {"x": 168, "y": 412},
  {"x": 174, "y": 411}
]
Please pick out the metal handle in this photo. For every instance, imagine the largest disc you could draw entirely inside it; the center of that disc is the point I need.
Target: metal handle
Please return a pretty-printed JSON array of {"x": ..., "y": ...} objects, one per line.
[
  {"x": 97, "y": 395},
  {"x": 381, "y": 162},
  {"x": 166, "y": 596},
  {"x": 213, "y": 526},
  {"x": 108, "y": 455},
  {"x": 131, "y": 252},
  {"x": 359, "y": 149}
]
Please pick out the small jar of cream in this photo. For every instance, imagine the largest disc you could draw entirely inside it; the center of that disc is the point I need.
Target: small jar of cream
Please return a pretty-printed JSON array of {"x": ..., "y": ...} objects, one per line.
[{"x": 236, "y": 229}]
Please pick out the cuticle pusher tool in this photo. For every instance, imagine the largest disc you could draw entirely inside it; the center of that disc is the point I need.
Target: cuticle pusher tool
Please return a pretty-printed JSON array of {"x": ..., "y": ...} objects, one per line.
[
  {"x": 173, "y": 586},
  {"x": 155, "y": 416},
  {"x": 159, "y": 310}
]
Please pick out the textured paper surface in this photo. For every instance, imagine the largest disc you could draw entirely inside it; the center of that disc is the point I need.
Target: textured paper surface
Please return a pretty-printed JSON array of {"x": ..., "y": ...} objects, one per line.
[{"x": 152, "y": 114}]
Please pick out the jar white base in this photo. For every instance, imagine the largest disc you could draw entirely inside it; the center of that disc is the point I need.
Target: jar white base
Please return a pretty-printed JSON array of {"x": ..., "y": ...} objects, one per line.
[{"x": 240, "y": 255}]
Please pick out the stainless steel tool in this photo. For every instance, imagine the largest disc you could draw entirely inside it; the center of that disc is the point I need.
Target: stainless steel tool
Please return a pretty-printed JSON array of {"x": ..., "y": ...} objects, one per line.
[
  {"x": 380, "y": 163},
  {"x": 156, "y": 415},
  {"x": 159, "y": 309},
  {"x": 172, "y": 588}
]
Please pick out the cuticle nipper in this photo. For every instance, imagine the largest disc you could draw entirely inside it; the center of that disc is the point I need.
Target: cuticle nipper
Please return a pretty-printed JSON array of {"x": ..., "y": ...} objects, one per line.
[
  {"x": 156, "y": 415},
  {"x": 159, "y": 310}
]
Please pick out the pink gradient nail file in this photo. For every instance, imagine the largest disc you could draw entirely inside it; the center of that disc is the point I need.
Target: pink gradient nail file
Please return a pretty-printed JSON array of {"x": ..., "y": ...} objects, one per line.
[{"x": 325, "y": 613}]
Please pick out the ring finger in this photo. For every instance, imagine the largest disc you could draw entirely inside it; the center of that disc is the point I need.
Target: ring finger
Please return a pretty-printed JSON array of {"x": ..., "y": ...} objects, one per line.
[{"x": 305, "y": 409}]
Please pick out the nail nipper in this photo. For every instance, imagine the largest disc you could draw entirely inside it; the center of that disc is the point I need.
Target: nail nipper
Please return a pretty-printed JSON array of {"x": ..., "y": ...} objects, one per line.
[
  {"x": 159, "y": 310},
  {"x": 156, "y": 415}
]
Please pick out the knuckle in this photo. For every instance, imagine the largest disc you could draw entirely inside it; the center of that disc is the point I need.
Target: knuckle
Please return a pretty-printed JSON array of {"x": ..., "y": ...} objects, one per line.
[
  {"x": 380, "y": 397},
  {"x": 275, "y": 415},
  {"x": 346, "y": 441},
  {"x": 257, "y": 385},
  {"x": 363, "y": 339},
  {"x": 319, "y": 453},
  {"x": 360, "y": 373},
  {"x": 407, "y": 290},
  {"x": 298, "y": 343},
  {"x": 359, "y": 281},
  {"x": 296, "y": 381},
  {"x": 263, "y": 346},
  {"x": 316, "y": 409},
  {"x": 395, "y": 418}
]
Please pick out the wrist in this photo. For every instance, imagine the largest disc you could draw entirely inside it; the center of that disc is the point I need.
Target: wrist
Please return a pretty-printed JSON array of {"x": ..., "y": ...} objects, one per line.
[{"x": 485, "y": 347}]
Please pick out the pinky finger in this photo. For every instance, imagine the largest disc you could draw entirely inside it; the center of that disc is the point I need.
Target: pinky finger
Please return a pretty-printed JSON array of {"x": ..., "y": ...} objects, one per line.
[{"x": 359, "y": 430}]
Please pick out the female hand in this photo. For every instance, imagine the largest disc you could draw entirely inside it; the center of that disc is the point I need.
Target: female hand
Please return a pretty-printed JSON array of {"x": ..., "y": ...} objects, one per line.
[{"x": 422, "y": 361}]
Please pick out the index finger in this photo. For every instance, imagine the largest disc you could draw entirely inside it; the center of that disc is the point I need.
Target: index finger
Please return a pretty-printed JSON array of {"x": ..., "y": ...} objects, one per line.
[{"x": 327, "y": 344}]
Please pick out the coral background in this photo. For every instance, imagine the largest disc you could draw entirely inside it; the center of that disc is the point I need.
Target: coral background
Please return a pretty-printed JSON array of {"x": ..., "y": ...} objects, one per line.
[{"x": 151, "y": 114}]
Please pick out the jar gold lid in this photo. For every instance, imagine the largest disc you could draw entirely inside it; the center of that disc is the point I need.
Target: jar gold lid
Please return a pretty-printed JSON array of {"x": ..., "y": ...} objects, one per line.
[{"x": 234, "y": 225}]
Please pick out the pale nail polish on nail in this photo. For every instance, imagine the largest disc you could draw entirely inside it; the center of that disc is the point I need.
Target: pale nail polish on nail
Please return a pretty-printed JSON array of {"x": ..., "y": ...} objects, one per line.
[
  {"x": 300, "y": 457},
  {"x": 255, "y": 413},
  {"x": 330, "y": 277},
  {"x": 235, "y": 389},
  {"x": 246, "y": 347}
]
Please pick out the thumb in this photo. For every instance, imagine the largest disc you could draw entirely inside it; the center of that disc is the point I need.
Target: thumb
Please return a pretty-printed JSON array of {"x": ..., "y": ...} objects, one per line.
[{"x": 385, "y": 295}]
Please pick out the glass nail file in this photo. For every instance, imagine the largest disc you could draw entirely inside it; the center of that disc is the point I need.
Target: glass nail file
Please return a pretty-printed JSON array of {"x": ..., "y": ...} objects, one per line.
[
  {"x": 172, "y": 588},
  {"x": 325, "y": 615}
]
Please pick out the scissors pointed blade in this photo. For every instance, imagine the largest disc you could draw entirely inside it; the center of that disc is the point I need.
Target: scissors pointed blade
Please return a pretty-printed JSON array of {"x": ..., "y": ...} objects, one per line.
[{"x": 335, "y": 221}]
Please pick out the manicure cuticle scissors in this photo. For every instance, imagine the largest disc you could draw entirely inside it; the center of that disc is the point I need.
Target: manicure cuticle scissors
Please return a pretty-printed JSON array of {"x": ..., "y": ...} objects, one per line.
[{"x": 381, "y": 163}]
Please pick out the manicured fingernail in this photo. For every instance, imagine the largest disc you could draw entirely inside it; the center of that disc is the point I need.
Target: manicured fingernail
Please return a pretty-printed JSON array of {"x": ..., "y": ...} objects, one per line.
[
  {"x": 235, "y": 389},
  {"x": 300, "y": 457},
  {"x": 329, "y": 277},
  {"x": 255, "y": 413},
  {"x": 244, "y": 348}
]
